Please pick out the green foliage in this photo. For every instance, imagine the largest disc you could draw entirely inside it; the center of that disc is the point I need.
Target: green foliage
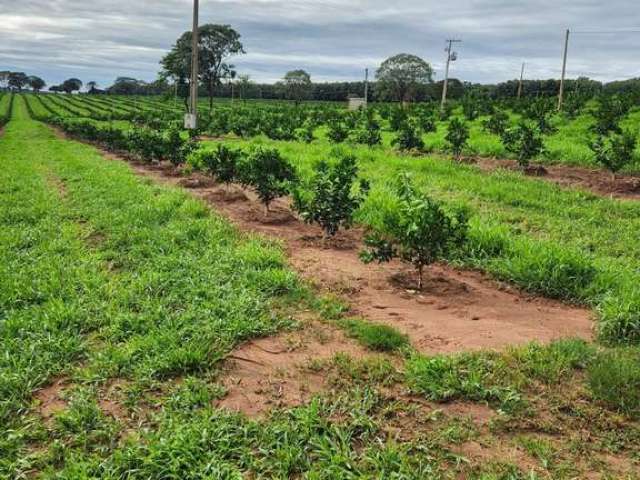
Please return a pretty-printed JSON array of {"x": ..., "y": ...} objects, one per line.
[
  {"x": 418, "y": 231},
  {"x": 306, "y": 132},
  {"x": 608, "y": 113},
  {"x": 367, "y": 130},
  {"x": 333, "y": 198},
  {"x": 614, "y": 378},
  {"x": 223, "y": 162},
  {"x": 457, "y": 136},
  {"x": 497, "y": 123},
  {"x": 524, "y": 141},
  {"x": 268, "y": 173},
  {"x": 375, "y": 336},
  {"x": 480, "y": 377},
  {"x": 408, "y": 139},
  {"x": 614, "y": 151},
  {"x": 399, "y": 77},
  {"x": 338, "y": 132}
]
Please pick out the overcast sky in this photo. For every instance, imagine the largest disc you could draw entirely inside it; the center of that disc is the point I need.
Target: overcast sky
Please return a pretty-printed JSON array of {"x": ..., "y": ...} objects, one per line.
[{"x": 332, "y": 39}]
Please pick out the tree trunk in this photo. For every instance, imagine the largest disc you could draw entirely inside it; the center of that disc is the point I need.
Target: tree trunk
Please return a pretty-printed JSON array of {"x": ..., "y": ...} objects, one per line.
[{"x": 420, "y": 269}]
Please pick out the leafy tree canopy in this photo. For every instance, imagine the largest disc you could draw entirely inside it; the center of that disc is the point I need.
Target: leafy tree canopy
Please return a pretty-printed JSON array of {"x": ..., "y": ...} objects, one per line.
[
  {"x": 400, "y": 76},
  {"x": 216, "y": 43},
  {"x": 71, "y": 85},
  {"x": 36, "y": 83},
  {"x": 297, "y": 85}
]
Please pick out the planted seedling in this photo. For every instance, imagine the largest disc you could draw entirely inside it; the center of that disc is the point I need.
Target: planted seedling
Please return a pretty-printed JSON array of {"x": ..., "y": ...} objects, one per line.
[
  {"x": 418, "y": 231},
  {"x": 268, "y": 173},
  {"x": 457, "y": 136},
  {"x": 335, "y": 194}
]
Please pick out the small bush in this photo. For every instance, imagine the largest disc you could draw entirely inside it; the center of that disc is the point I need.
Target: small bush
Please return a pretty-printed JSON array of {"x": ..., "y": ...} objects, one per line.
[
  {"x": 268, "y": 173},
  {"x": 524, "y": 141},
  {"x": 614, "y": 151},
  {"x": 418, "y": 231},
  {"x": 375, "y": 336},
  {"x": 408, "y": 138},
  {"x": 497, "y": 123},
  {"x": 457, "y": 136},
  {"x": 333, "y": 199},
  {"x": 614, "y": 378},
  {"x": 223, "y": 163},
  {"x": 338, "y": 132}
]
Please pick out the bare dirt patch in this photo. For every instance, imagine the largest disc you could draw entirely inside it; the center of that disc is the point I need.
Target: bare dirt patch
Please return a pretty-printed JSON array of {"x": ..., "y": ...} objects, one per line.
[
  {"x": 277, "y": 372},
  {"x": 597, "y": 181},
  {"x": 50, "y": 398}
]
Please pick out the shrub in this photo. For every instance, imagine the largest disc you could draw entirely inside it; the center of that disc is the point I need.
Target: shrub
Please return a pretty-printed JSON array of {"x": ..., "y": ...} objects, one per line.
[
  {"x": 457, "y": 136},
  {"x": 333, "y": 201},
  {"x": 497, "y": 123},
  {"x": 338, "y": 132},
  {"x": 374, "y": 336},
  {"x": 305, "y": 133},
  {"x": 367, "y": 131},
  {"x": 418, "y": 231},
  {"x": 614, "y": 378},
  {"x": 523, "y": 141},
  {"x": 223, "y": 163},
  {"x": 614, "y": 151},
  {"x": 408, "y": 138},
  {"x": 268, "y": 173}
]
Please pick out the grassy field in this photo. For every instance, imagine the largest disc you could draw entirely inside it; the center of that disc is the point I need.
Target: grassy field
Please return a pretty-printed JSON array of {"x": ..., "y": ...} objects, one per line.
[{"x": 131, "y": 294}]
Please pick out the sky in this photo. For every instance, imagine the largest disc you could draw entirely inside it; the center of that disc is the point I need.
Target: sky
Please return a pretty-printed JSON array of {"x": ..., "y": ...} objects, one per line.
[{"x": 334, "y": 40}]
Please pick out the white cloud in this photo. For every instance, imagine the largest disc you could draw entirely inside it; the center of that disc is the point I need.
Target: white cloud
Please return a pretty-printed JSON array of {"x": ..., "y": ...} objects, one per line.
[{"x": 332, "y": 39}]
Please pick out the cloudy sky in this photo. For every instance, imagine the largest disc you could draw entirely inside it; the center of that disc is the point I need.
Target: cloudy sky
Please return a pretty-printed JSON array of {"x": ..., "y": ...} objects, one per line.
[{"x": 332, "y": 39}]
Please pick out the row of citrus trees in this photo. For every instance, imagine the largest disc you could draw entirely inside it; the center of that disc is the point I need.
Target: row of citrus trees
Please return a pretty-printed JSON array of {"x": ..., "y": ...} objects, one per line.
[
  {"x": 416, "y": 228},
  {"x": 419, "y": 231},
  {"x": 6, "y": 107}
]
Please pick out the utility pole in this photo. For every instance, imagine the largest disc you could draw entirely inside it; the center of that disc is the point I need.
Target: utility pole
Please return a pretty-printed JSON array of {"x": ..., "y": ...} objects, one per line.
[
  {"x": 520, "y": 83},
  {"x": 564, "y": 70},
  {"x": 191, "y": 121},
  {"x": 451, "y": 57},
  {"x": 366, "y": 86}
]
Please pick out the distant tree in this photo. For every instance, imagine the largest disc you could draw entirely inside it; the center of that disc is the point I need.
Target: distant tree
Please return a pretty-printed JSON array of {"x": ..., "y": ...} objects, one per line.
[
  {"x": 71, "y": 85},
  {"x": 18, "y": 80},
  {"x": 91, "y": 86},
  {"x": 4, "y": 78},
  {"x": 216, "y": 43},
  {"x": 36, "y": 83},
  {"x": 55, "y": 88},
  {"x": 399, "y": 77},
  {"x": 297, "y": 85},
  {"x": 125, "y": 86},
  {"x": 244, "y": 83}
]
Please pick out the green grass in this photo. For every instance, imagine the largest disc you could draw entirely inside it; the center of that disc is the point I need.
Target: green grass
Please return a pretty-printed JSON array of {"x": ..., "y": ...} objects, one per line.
[
  {"x": 132, "y": 292},
  {"x": 374, "y": 336},
  {"x": 614, "y": 378}
]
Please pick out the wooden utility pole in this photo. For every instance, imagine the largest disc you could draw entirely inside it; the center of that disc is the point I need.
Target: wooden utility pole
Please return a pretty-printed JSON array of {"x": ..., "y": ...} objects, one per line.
[
  {"x": 564, "y": 70},
  {"x": 450, "y": 57},
  {"x": 520, "y": 82},
  {"x": 192, "y": 121},
  {"x": 366, "y": 86}
]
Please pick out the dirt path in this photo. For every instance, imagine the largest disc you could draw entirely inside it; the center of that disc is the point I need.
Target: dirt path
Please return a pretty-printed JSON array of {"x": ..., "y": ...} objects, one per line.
[
  {"x": 597, "y": 181},
  {"x": 457, "y": 310}
]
